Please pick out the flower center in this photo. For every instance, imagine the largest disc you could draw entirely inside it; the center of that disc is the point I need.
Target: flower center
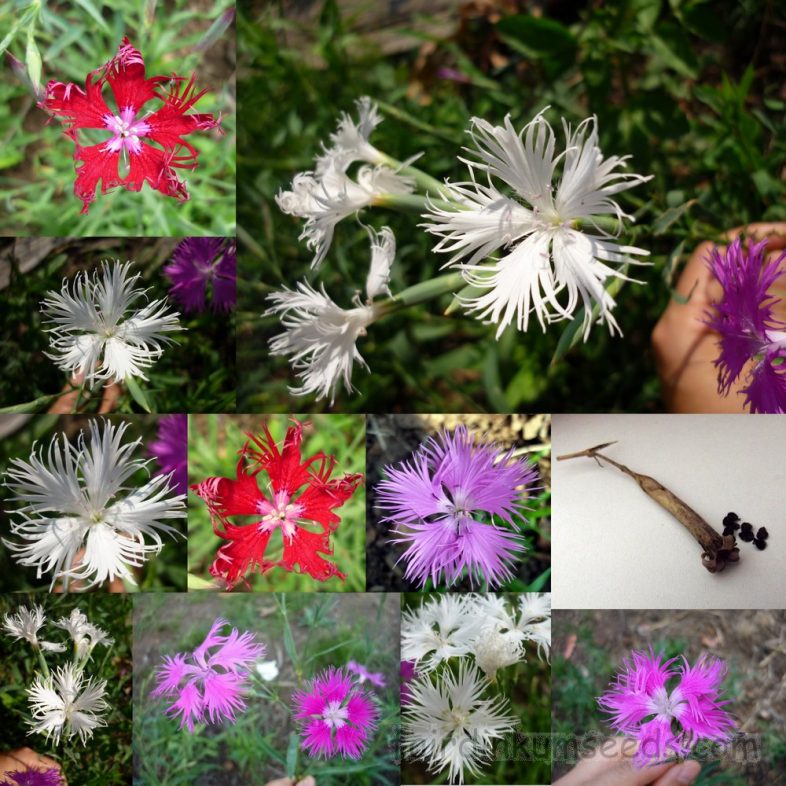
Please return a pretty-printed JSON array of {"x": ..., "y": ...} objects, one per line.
[
  {"x": 667, "y": 704},
  {"x": 126, "y": 131},
  {"x": 457, "y": 718},
  {"x": 96, "y": 517},
  {"x": 280, "y": 513},
  {"x": 334, "y": 715}
]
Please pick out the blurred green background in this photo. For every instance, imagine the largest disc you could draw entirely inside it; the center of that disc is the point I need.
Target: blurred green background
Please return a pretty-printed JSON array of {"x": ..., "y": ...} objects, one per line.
[
  {"x": 165, "y": 572},
  {"x": 197, "y": 373},
  {"x": 693, "y": 90},
  {"x": 589, "y": 647},
  {"x": 214, "y": 444},
  {"x": 106, "y": 759},
  {"x": 527, "y": 685},
  {"x": 64, "y": 42},
  {"x": 304, "y": 634}
]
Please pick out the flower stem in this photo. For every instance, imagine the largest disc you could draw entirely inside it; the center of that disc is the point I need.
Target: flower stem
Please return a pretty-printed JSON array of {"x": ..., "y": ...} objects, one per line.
[
  {"x": 42, "y": 661},
  {"x": 414, "y": 203},
  {"x": 424, "y": 181},
  {"x": 420, "y": 293}
]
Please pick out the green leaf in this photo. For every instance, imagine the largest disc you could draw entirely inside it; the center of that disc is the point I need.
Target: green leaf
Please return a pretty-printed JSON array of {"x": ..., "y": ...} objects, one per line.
[
  {"x": 671, "y": 216},
  {"x": 540, "y": 582},
  {"x": 292, "y": 751},
  {"x": 137, "y": 393},
  {"x": 543, "y": 39},
  {"x": 33, "y": 59},
  {"x": 197, "y": 583},
  {"x": 95, "y": 13},
  {"x": 36, "y": 405}
]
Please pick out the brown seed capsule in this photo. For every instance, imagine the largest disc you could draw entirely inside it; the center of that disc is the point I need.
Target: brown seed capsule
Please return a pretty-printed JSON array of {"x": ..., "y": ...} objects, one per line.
[{"x": 718, "y": 550}]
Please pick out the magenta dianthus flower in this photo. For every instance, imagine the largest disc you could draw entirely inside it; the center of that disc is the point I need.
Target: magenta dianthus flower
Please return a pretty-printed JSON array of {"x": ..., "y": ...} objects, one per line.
[
  {"x": 407, "y": 673},
  {"x": 443, "y": 504},
  {"x": 170, "y": 449},
  {"x": 209, "y": 682},
  {"x": 749, "y": 333},
  {"x": 35, "y": 777},
  {"x": 199, "y": 264},
  {"x": 364, "y": 675},
  {"x": 668, "y": 706},
  {"x": 336, "y": 716}
]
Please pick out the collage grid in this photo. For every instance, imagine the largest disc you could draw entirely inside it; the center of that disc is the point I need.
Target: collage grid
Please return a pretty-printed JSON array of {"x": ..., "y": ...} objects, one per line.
[{"x": 377, "y": 393}]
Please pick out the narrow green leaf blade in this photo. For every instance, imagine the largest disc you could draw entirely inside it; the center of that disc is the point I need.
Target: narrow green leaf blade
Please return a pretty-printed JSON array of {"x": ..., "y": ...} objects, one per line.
[{"x": 137, "y": 393}]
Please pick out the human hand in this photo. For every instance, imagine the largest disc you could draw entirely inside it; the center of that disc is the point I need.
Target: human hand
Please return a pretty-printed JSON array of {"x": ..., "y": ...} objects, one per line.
[
  {"x": 23, "y": 759},
  {"x": 612, "y": 765},
  {"x": 685, "y": 347},
  {"x": 307, "y": 781},
  {"x": 68, "y": 402}
]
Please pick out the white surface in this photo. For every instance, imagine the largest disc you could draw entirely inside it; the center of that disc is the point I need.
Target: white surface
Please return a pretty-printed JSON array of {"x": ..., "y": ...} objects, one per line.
[{"x": 614, "y": 547}]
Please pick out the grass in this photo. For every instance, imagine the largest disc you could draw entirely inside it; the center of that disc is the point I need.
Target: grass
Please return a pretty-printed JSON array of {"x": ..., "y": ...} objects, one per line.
[
  {"x": 196, "y": 373},
  {"x": 304, "y": 634},
  {"x": 163, "y": 573},
  {"x": 213, "y": 452},
  {"x": 106, "y": 758},
  {"x": 63, "y": 42},
  {"x": 694, "y": 101}
]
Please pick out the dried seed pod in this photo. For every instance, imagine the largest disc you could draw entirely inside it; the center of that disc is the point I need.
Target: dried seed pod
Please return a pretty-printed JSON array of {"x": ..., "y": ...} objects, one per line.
[{"x": 718, "y": 550}]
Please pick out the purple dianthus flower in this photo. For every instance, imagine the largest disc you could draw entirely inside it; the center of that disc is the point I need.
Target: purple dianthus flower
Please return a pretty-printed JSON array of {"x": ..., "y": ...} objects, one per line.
[
  {"x": 35, "y": 777},
  {"x": 209, "y": 682},
  {"x": 170, "y": 449},
  {"x": 443, "y": 503},
  {"x": 364, "y": 675},
  {"x": 749, "y": 333},
  {"x": 199, "y": 263},
  {"x": 668, "y": 707}
]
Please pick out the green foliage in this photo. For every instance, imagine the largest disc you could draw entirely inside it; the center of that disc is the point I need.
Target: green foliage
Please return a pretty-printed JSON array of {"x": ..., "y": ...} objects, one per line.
[
  {"x": 322, "y": 630},
  {"x": 688, "y": 88},
  {"x": 196, "y": 373},
  {"x": 65, "y": 41},
  {"x": 106, "y": 758},
  {"x": 214, "y": 444},
  {"x": 165, "y": 572}
]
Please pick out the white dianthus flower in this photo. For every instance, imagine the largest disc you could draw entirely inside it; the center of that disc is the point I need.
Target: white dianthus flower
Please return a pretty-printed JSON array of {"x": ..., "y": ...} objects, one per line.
[
  {"x": 450, "y": 725},
  {"x": 76, "y": 496},
  {"x": 349, "y": 143},
  {"x": 99, "y": 329},
  {"x": 495, "y": 649},
  {"x": 65, "y": 704},
  {"x": 85, "y": 635},
  {"x": 25, "y": 624},
  {"x": 545, "y": 254}
]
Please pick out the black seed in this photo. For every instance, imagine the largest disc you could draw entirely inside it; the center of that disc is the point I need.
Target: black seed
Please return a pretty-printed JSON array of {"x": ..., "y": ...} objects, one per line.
[
  {"x": 730, "y": 518},
  {"x": 728, "y": 530},
  {"x": 746, "y": 527},
  {"x": 746, "y": 535},
  {"x": 762, "y": 533},
  {"x": 760, "y": 544}
]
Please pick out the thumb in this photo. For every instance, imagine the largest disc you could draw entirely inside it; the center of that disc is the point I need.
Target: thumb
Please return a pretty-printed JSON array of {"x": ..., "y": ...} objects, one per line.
[{"x": 681, "y": 775}]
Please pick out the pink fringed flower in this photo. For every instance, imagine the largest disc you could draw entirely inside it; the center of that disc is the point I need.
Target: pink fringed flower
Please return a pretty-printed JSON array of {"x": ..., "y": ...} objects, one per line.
[
  {"x": 364, "y": 675},
  {"x": 209, "y": 682},
  {"x": 336, "y": 716},
  {"x": 668, "y": 706}
]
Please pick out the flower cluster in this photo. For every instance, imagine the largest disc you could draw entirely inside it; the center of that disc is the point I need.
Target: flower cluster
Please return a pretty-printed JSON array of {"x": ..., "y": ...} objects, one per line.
[
  {"x": 99, "y": 332},
  {"x": 455, "y": 645},
  {"x": 141, "y": 148},
  {"x": 443, "y": 503},
  {"x": 79, "y": 519},
  {"x": 668, "y": 706},
  {"x": 549, "y": 250},
  {"x": 64, "y": 702},
  {"x": 752, "y": 341},
  {"x": 201, "y": 265},
  {"x": 301, "y": 495},
  {"x": 320, "y": 336},
  {"x": 336, "y": 715},
  {"x": 208, "y": 683}
]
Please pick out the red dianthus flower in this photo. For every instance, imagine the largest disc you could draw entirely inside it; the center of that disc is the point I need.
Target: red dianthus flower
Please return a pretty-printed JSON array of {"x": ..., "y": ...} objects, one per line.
[
  {"x": 301, "y": 494},
  {"x": 151, "y": 145}
]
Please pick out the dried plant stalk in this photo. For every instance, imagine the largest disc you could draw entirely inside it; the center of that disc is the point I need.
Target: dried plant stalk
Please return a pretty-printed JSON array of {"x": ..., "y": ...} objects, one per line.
[{"x": 718, "y": 550}]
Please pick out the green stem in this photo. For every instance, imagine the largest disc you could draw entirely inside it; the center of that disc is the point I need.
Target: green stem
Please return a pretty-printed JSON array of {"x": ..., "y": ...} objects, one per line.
[
  {"x": 415, "y": 203},
  {"x": 420, "y": 293},
  {"x": 42, "y": 661},
  {"x": 79, "y": 395},
  {"x": 424, "y": 181}
]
